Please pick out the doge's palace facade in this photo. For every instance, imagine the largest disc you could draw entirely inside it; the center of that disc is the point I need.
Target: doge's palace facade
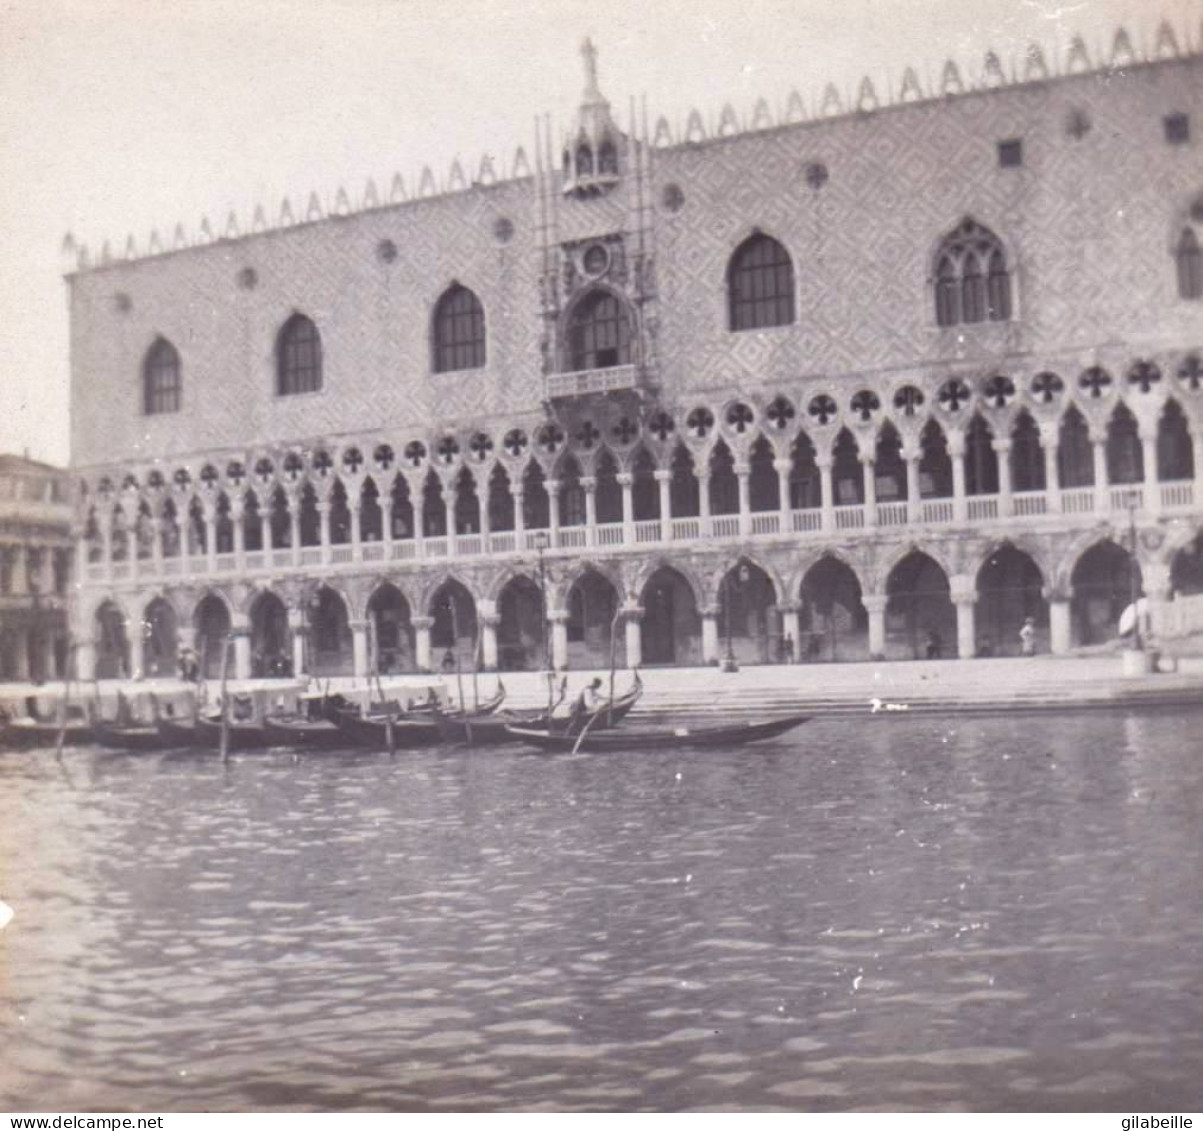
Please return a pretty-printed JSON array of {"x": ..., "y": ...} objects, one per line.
[{"x": 817, "y": 382}]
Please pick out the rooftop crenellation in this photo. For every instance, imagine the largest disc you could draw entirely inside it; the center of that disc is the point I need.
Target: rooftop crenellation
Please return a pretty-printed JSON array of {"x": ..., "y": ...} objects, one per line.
[{"x": 954, "y": 80}]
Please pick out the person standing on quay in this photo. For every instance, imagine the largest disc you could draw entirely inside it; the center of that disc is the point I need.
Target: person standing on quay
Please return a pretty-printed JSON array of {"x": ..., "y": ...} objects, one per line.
[{"x": 1027, "y": 637}]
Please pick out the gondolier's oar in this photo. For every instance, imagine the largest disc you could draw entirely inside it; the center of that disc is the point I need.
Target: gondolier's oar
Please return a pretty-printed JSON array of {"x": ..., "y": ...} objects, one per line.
[
  {"x": 65, "y": 701},
  {"x": 224, "y": 744}
]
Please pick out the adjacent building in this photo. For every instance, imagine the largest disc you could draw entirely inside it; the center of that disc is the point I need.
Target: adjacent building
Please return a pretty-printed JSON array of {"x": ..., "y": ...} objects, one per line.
[
  {"x": 817, "y": 382},
  {"x": 37, "y": 549}
]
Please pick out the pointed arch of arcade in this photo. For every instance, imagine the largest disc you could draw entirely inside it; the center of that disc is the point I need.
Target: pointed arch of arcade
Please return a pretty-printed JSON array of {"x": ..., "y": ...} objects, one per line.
[
  {"x": 748, "y": 617},
  {"x": 672, "y": 623},
  {"x": 112, "y": 641},
  {"x": 593, "y": 600},
  {"x": 211, "y": 619},
  {"x": 833, "y": 623},
  {"x": 1104, "y": 579},
  {"x": 394, "y": 647},
  {"x": 1175, "y": 453},
  {"x": 522, "y": 636},
  {"x": 454, "y": 631},
  {"x": 1186, "y": 568},
  {"x": 328, "y": 620},
  {"x": 1075, "y": 455},
  {"x": 270, "y": 635},
  {"x": 160, "y": 638},
  {"x": 921, "y": 621},
  {"x": 1010, "y": 588}
]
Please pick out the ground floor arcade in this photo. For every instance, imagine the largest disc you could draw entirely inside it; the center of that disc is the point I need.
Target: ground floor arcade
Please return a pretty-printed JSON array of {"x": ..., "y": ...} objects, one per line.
[{"x": 964, "y": 595}]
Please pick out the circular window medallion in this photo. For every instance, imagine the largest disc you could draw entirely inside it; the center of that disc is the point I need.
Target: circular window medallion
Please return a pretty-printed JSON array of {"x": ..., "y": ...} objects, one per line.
[
  {"x": 595, "y": 261},
  {"x": 248, "y": 278},
  {"x": 122, "y": 302},
  {"x": 503, "y": 229},
  {"x": 386, "y": 251},
  {"x": 672, "y": 198}
]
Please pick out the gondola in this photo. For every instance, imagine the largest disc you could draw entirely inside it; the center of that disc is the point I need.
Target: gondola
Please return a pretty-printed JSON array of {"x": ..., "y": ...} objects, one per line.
[
  {"x": 494, "y": 731},
  {"x": 372, "y": 731},
  {"x": 304, "y": 734},
  {"x": 26, "y": 734},
  {"x": 647, "y": 739},
  {"x": 488, "y": 707},
  {"x": 132, "y": 738},
  {"x": 205, "y": 734}
]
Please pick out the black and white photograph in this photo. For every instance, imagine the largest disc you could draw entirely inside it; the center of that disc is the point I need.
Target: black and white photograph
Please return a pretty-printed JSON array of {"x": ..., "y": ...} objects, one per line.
[{"x": 583, "y": 557}]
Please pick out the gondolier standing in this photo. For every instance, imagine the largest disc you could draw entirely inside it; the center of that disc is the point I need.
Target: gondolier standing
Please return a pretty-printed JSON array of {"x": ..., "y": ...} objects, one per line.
[{"x": 588, "y": 700}]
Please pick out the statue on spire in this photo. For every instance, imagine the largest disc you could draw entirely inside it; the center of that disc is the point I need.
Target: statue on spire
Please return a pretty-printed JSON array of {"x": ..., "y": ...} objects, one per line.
[{"x": 589, "y": 54}]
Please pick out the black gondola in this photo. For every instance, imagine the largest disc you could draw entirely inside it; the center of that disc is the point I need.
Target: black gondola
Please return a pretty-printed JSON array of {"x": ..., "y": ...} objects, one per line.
[{"x": 647, "y": 739}]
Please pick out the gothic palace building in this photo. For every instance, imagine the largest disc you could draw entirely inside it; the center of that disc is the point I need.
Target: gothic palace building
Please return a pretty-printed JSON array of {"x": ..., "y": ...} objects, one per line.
[{"x": 880, "y": 378}]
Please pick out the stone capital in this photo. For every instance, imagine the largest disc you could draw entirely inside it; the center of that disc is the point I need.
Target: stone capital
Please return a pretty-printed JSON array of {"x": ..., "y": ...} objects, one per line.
[
  {"x": 783, "y": 465},
  {"x": 557, "y": 616},
  {"x": 663, "y": 475},
  {"x": 631, "y": 611},
  {"x": 358, "y": 625},
  {"x": 709, "y": 612},
  {"x": 625, "y": 478},
  {"x": 553, "y": 486},
  {"x": 1002, "y": 447},
  {"x": 589, "y": 483},
  {"x": 420, "y": 623},
  {"x": 875, "y": 602},
  {"x": 489, "y": 620}
]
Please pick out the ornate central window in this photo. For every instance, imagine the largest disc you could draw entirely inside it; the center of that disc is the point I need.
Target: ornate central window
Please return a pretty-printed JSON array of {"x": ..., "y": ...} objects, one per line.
[
  {"x": 1190, "y": 265},
  {"x": 599, "y": 336},
  {"x": 298, "y": 357},
  {"x": 760, "y": 285},
  {"x": 971, "y": 279}
]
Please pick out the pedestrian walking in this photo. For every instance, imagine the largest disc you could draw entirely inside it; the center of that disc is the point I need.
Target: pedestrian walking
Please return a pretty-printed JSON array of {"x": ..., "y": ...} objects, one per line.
[{"x": 1027, "y": 637}]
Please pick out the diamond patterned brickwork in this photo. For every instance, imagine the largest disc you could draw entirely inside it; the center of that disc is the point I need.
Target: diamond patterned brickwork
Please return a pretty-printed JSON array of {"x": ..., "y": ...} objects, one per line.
[{"x": 1088, "y": 223}]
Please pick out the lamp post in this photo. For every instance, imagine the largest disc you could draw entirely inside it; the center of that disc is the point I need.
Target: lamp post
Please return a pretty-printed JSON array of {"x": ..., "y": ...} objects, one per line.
[
  {"x": 1133, "y": 585},
  {"x": 540, "y": 540}
]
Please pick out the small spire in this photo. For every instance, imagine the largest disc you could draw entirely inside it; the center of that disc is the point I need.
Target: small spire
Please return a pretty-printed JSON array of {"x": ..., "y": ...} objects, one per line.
[
  {"x": 155, "y": 246},
  {"x": 728, "y": 123},
  {"x": 342, "y": 202},
  {"x": 204, "y": 233},
  {"x": 866, "y": 99},
  {"x": 84, "y": 259},
  {"x": 762, "y": 116},
  {"x": 259, "y": 219},
  {"x": 950, "y": 81},
  {"x": 68, "y": 254},
  {"x": 396, "y": 192},
  {"x": 832, "y": 104},
  {"x": 455, "y": 179},
  {"x": 371, "y": 198},
  {"x": 993, "y": 76},
  {"x": 179, "y": 238},
  {"x": 486, "y": 175},
  {"x": 314, "y": 211},
  {"x": 426, "y": 185},
  {"x": 286, "y": 217},
  {"x": 911, "y": 90},
  {"x": 589, "y": 55},
  {"x": 521, "y": 167},
  {"x": 1078, "y": 60},
  {"x": 1035, "y": 69},
  {"x": 106, "y": 253},
  {"x": 1167, "y": 42},
  {"x": 695, "y": 131},
  {"x": 663, "y": 136},
  {"x": 795, "y": 108},
  {"x": 1122, "y": 54},
  {"x": 131, "y": 248},
  {"x": 231, "y": 232}
]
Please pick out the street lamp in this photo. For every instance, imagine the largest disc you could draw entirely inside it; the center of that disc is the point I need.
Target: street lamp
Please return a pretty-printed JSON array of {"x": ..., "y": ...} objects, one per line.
[{"x": 741, "y": 575}]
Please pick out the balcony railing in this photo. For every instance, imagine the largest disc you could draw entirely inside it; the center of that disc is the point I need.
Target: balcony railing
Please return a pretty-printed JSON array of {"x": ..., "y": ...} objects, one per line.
[
  {"x": 1077, "y": 506},
  {"x": 585, "y": 381}
]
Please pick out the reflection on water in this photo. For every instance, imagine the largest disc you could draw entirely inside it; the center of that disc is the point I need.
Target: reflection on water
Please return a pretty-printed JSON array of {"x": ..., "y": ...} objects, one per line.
[{"x": 910, "y": 913}]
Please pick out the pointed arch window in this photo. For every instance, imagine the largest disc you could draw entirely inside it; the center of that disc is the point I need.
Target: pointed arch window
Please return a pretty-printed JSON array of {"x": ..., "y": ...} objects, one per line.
[
  {"x": 599, "y": 336},
  {"x": 971, "y": 278},
  {"x": 161, "y": 384},
  {"x": 459, "y": 331},
  {"x": 760, "y": 285},
  {"x": 1190, "y": 266},
  {"x": 298, "y": 357}
]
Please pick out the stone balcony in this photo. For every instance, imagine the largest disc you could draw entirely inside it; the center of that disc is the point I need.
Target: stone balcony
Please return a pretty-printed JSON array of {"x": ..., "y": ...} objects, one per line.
[
  {"x": 1075, "y": 508},
  {"x": 587, "y": 381}
]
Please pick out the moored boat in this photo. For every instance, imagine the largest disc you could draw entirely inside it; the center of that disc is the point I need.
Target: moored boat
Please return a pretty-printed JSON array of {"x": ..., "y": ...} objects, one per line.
[
  {"x": 373, "y": 730},
  {"x": 646, "y": 739}
]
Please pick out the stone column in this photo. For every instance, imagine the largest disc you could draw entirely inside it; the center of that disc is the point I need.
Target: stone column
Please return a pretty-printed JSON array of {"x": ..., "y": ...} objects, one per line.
[
  {"x": 710, "y": 646},
  {"x": 422, "y": 627},
  {"x": 559, "y": 638},
  {"x": 914, "y": 499},
  {"x": 824, "y": 463},
  {"x": 137, "y": 646},
  {"x": 323, "y": 515},
  {"x": 743, "y": 473},
  {"x": 964, "y": 597},
  {"x": 1060, "y": 633},
  {"x": 791, "y": 627},
  {"x": 868, "y": 464},
  {"x": 875, "y": 606},
  {"x": 236, "y": 516},
  {"x": 356, "y": 530},
  {"x": 1155, "y": 580},
  {"x": 85, "y": 659},
  {"x": 783, "y": 467},
  {"x": 1050, "y": 439},
  {"x": 589, "y": 486},
  {"x": 956, "y": 453},
  {"x": 703, "y": 504},
  {"x": 210, "y": 515},
  {"x": 519, "y": 518},
  {"x": 294, "y": 533},
  {"x": 632, "y": 616},
  {"x": 106, "y": 547},
  {"x": 419, "y": 524},
  {"x": 488, "y": 640},
  {"x": 1196, "y": 451},
  {"x": 1152, "y": 487},
  {"x": 240, "y": 629},
  {"x": 1002, "y": 449},
  {"x": 296, "y": 622},
  {"x": 664, "y": 479},
  {"x": 361, "y": 663},
  {"x": 553, "y": 511},
  {"x": 625, "y": 480},
  {"x": 447, "y": 494},
  {"x": 1102, "y": 501}
]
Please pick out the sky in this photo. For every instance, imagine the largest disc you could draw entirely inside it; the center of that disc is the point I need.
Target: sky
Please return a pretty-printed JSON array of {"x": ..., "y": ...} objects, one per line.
[{"x": 120, "y": 116}]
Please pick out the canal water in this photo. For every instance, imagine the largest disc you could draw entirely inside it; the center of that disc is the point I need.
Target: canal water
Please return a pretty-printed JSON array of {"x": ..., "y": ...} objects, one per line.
[{"x": 896, "y": 913}]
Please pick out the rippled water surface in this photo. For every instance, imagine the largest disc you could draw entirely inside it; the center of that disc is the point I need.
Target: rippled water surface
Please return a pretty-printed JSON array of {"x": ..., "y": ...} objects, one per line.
[{"x": 901, "y": 913}]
